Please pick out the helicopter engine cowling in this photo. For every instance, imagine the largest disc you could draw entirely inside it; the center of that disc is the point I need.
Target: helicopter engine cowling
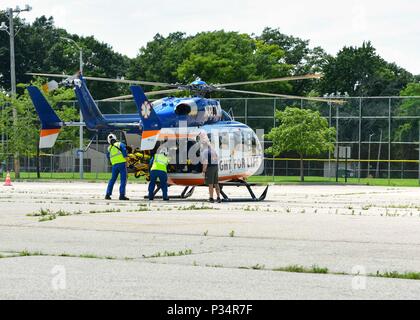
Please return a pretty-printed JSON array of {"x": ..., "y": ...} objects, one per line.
[{"x": 186, "y": 108}]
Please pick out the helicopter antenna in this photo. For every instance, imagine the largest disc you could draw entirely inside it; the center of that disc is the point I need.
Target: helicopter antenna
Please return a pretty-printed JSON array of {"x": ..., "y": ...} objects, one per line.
[{"x": 230, "y": 112}]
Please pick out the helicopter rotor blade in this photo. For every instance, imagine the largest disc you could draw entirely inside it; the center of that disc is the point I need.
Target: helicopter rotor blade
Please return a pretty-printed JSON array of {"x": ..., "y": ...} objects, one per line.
[
  {"x": 341, "y": 102},
  {"x": 293, "y": 78},
  {"x": 152, "y": 93},
  {"x": 147, "y": 83}
]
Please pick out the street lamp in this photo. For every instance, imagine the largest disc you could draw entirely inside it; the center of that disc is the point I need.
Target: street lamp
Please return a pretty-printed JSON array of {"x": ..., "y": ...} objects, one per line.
[
  {"x": 81, "y": 147},
  {"x": 11, "y": 31},
  {"x": 80, "y": 52}
]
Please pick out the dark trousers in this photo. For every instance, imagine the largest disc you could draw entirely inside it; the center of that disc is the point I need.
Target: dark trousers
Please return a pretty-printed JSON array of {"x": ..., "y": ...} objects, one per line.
[
  {"x": 118, "y": 169},
  {"x": 163, "y": 179}
]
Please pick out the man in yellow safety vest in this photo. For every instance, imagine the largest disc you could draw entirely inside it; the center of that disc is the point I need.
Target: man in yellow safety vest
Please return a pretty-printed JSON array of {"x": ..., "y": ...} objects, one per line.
[
  {"x": 159, "y": 170},
  {"x": 117, "y": 154}
]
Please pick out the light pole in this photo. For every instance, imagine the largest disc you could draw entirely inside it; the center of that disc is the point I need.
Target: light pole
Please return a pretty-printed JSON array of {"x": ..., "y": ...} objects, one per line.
[
  {"x": 326, "y": 96},
  {"x": 80, "y": 51},
  {"x": 370, "y": 140},
  {"x": 81, "y": 147},
  {"x": 11, "y": 31},
  {"x": 337, "y": 146}
]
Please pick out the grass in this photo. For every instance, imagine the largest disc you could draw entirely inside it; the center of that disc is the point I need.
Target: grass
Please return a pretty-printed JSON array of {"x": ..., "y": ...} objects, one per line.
[
  {"x": 321, "y": 180},
  {"x": 105, "y": 211},
  {"x": 26, "y": 253},
  {"x": 197, "y": 208},
  {"x": 89, "y": 256},
  {"x": 70, "y": 176},
  {"x": 397, "y": 275},
  {"x": 258, "y": 267},
  {"x": 92, "y": 177},
  {"x": 301, "y": 269},
  {"x": 141, "y": 209},
  {"x": 186, "y": 252},
  {"x": 48, "y": 215},
  {"x": 315, "y": 269}
]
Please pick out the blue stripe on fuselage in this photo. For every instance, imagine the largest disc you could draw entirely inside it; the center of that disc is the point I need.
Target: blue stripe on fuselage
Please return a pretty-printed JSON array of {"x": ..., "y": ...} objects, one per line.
[{"x": 123, "y": 118}]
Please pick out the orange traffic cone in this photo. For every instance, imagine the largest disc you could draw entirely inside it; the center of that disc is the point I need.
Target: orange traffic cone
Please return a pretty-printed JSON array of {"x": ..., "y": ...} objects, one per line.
[{"x": 8, "y": 182}]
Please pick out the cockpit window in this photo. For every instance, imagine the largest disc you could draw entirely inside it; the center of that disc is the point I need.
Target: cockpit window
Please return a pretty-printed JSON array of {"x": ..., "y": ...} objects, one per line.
[{"x": 157, "y": 102}]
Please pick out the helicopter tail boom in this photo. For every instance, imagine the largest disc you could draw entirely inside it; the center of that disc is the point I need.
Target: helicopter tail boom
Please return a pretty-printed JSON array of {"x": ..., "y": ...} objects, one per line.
[
  {"x": 50, "y": 123},
  {"x": 92, "y": 116}
]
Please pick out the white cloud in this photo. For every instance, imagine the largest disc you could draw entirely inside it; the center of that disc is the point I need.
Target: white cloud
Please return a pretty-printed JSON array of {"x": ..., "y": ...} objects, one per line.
[{"x": 392, "y": 26}]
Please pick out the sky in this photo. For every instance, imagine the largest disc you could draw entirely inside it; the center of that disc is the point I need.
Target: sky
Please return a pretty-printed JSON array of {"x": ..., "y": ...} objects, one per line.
[{"x": 392, "y": 26}]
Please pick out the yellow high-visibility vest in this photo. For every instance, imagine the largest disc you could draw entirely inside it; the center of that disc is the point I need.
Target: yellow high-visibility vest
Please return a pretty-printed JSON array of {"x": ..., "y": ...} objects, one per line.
[
  {"x": 115, "y": 155},
  {"x": 160, "y": 163}
]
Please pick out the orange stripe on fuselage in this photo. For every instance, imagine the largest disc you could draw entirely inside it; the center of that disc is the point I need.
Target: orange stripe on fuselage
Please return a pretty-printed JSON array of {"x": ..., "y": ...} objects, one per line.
[
  {"x": 175, "y": 136},
  {"x": 48, "y": 132},
  {"x": 150, "y": 133},
  {"x": 200, "y": 181}
]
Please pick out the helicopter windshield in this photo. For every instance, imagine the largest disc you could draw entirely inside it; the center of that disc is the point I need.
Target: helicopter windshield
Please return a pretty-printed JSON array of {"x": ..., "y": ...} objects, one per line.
[{"x": 157, "y": 102}]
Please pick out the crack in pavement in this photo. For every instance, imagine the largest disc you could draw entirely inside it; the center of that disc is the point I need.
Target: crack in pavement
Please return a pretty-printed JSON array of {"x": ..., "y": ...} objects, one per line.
[{"x": 200, "y": 235}]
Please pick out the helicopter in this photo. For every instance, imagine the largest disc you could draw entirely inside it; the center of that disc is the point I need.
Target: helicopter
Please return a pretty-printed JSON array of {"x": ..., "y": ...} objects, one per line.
[{"x": 182, "y": 123}]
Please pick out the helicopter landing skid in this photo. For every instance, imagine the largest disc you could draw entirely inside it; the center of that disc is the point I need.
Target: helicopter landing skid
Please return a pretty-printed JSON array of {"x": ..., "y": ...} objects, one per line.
[
  {"x": 241, "y": 183},
  {"x": 187, "y": 193}
]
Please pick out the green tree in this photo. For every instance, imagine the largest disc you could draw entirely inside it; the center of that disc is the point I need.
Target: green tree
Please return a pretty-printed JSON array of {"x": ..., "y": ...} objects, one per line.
[
  {"x": 302, "y": 131},
  {"x": 159, "y": 60},
  {"x": 363, "y": 65},
  {"x": 216, "y": 57},
  {"x": 408, "y": 132},
  {"x": 23, "y": 138},
  {"x": 39, "y": 49},
  {"x": 300, "y": 55}
]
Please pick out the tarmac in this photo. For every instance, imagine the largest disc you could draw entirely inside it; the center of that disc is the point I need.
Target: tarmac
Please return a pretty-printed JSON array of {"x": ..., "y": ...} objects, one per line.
[{"x": 62, "y": 240}]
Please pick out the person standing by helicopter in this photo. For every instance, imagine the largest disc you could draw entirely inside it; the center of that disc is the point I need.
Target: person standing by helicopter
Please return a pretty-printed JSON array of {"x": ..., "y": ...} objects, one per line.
[
  {"x": 117, "y": 154},
  {"x": 210, "y": 162},
  {"x": 159, "y": 170}
]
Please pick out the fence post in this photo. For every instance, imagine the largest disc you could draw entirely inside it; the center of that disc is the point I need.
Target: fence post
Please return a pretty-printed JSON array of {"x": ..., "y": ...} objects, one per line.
[
  {"x": 329, "y": 152},
  {"x": 51, "y": 163},
  {"x": 274, "y": 125},
  {"x": 246, "y": 111},
  {"x": 97, "y": 150},
  {"x": 389, "y": 140},
  {"x": 337, "y": 144},
  {"x": 419, "y": 151},
  {"x": 360, "y": 138}
]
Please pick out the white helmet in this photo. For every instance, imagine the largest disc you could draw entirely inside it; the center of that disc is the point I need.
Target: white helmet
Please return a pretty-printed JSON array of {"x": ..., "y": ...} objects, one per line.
[
  {"x": 164, "y": 151},
  {"x": 112, "y": 137}
]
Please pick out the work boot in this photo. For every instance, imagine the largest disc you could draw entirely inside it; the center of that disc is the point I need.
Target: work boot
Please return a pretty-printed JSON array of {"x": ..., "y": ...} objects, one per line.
[
  {"x": 108, "y": 197},
  {"x": 124, "y": 198}
]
